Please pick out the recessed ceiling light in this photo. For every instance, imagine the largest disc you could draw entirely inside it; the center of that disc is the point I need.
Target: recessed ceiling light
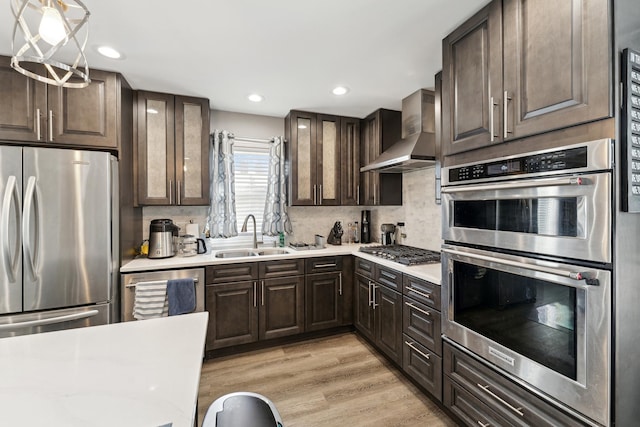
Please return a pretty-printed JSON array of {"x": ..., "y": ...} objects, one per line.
[
  {"x": 109, "y": 52},
  {"x": 254, "y": 97},
  {"x": 340, "y": 90}
]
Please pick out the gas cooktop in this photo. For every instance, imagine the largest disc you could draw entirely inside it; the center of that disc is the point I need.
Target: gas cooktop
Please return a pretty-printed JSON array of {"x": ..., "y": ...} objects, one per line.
[{"x": 406, "y": 255}]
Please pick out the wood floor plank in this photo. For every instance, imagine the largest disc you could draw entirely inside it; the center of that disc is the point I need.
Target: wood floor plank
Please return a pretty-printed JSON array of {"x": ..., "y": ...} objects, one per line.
[{"x": 337, "y": 380}]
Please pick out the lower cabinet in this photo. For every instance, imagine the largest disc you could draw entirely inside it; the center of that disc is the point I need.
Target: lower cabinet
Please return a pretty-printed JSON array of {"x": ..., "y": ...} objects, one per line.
[
  {"x": 423, "y": 365},
  {"x": 478, "y": 395},
  {"x": 378, "y": 316},
  {"x": 328, "y": 292},
  {"x": 242, "y": 311}
]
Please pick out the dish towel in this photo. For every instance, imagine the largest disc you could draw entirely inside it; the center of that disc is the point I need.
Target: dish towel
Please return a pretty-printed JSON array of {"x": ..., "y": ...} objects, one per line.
[
  {"x": 181, "y": 294},
  {"x": 150, "y": 300}
]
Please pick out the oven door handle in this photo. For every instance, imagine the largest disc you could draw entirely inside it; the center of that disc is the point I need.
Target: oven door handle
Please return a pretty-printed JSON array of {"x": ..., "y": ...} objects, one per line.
[
  {"x": 551, "y": 182},
  {"x": 587, "y": 276}
]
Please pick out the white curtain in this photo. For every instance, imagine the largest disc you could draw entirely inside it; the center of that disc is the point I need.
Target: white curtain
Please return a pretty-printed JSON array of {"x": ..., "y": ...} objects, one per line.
[
  {"x": 276, "y": 218},
  {"x": 222, "y": 220}
]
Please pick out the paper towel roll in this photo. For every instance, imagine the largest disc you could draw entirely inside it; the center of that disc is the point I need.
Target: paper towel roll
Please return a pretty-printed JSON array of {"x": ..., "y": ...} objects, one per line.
[{"x": 193, "y": 229}]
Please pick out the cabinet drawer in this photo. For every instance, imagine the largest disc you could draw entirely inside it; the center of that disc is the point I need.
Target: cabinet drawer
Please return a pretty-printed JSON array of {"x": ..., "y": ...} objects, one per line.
[
  {"x": 424, "y": 366},
  {"x": 422, "y": 291},
  {"x": 364, "y": 268},
  {"x": 231, "y": 272},
  {"x": 324, "y": 264},
  {"x": 467, "y": 407},
  {"x": 422, "y": 324},
  {"x": 388, "y": 277},
  {"x": 281, "y": 268},
  {"x": 508, "y": 399}
]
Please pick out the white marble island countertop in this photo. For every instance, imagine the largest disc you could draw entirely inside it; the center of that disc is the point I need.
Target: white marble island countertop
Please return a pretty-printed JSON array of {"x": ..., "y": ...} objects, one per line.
[
  {"x": 428, "y": 272},
  {"x": 143, "y": 373}
]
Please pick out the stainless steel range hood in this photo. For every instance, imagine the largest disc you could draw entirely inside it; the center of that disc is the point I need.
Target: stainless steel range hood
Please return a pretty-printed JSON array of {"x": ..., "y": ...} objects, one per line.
[{"x": 417, "y": 148}]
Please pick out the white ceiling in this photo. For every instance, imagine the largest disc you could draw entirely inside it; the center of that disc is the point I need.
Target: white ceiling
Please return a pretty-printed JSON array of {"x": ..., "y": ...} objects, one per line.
[{"x": 293, "y": 52}]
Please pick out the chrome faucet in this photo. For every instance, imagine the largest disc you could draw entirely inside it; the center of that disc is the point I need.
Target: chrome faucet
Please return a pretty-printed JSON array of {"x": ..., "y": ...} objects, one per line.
[{"x": 244, "y": 229}]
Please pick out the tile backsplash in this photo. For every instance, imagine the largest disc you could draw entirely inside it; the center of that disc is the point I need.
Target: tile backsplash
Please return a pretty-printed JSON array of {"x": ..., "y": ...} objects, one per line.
[{"x": 419, "y": 212}]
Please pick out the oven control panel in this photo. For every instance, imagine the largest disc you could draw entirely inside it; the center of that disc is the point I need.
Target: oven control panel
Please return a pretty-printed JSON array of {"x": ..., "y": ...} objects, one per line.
[{"x": 543, "y": 162}]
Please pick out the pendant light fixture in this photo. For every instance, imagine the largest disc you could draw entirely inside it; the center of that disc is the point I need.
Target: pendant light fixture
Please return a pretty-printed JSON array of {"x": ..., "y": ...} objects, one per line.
[{"x": 54, "y": 33}]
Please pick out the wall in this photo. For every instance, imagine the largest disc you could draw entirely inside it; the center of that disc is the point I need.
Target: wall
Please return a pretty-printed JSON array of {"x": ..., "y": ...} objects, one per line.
[{"x": 419, "y": 212}]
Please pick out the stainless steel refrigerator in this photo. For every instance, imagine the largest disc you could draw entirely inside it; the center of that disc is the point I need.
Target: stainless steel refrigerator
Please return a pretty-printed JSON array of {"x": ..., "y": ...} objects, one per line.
[{"x": 58, "y": 239}]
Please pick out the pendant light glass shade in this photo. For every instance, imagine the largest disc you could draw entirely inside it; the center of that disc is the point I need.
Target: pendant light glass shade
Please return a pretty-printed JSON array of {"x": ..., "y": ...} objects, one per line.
[{"x": 49, "y": 38}]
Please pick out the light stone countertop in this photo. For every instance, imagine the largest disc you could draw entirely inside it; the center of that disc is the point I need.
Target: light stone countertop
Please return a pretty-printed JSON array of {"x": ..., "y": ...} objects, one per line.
[
  {"x": 125, "y": 374},
  {"x": 428, "y": 272}
]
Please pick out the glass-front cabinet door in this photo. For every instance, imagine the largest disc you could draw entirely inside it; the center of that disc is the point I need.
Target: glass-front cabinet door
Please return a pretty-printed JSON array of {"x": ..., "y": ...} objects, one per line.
[
  {"x": 304, "y": 188},
  {"x": 328, "y": 158},
  {"x": 156, "y": 166},
  {"x": 192, "y": 148}
]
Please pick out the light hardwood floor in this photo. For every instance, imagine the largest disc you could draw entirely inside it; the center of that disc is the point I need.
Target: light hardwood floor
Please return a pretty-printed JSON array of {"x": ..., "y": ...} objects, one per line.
[{"x": 333, "y": 381}]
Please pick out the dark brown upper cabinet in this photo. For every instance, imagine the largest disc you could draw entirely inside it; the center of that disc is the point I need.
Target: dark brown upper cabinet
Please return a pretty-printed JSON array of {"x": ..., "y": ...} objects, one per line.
[
  {"x": 173, "y": 149},
  {"x": 322, "y": 155},
  {"x": 31, "y": 111},
  {"x": 380, "y": 130},
  {"x": 521, "y": 68}
]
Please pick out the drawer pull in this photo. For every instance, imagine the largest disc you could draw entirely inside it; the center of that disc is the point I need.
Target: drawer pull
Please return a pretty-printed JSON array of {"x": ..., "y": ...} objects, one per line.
[
  {"x": 483, "y": 424},
  {"x": 418, "y": 308},
  {"x": 410, "y": 344},
  {"x": 422, "y": 294},
  {"x": 325, "y": 265},
  {"x": 492, "y": 394}
]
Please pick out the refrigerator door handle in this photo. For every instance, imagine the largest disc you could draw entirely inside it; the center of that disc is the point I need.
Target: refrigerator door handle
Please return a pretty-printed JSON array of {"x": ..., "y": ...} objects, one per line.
[
  {"x": 10, "y": 262},
  {"x": 50, "y": 321},
  {"x": 31, "y": 198}
]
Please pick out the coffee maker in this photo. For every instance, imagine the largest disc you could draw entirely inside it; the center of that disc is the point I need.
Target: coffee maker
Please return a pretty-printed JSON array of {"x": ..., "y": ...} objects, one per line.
[
  {"x": 365, "y": 230},
  {"x": 163, "y": 236}
]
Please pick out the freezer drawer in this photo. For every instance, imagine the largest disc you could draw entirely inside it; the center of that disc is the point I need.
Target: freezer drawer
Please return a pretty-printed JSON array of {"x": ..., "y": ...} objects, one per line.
[
  {"x": 54, "y": 320},
  {"x": 129, "y": 281}
]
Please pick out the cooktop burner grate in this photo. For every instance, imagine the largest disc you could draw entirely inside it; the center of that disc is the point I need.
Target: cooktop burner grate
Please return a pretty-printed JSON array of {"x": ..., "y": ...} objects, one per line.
[{"x": 406, "y": 255}]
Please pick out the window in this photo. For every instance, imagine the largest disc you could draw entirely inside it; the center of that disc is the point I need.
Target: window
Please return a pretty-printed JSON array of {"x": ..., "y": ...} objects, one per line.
[
  {"x": 252, "y": 174},
  {"x": 251, "y": 163}
]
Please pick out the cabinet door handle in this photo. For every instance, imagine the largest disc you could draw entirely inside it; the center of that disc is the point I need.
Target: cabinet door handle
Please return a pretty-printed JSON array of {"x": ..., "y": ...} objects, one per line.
[
  {"x": 411, "y": 346},
  {"x": 418, "y": 309},
  {"x": 357, "y": 195},
  {"x": 263, "y": 293},
  {"x": 375, "y": 194},
  {"x": 492, "y": 106},
  {"x": 505, "y": 403},
  {"x": 50, "y": 125},
  {"x": 38, "y": 117},
  {"x": 170, "y": 191},
  {"x": 320, "y": 194},
  {"x": 340, "y": 288},
  {"x": 373, "y": 293},
  {"x": 505, "y": 113},
  {"x": 369, "y": 290},
  {"x": 255, "y": 294},
  {"x": 178, "y": 193},
  {"x": 315, "y": 195},
  {"x": 422, "y": 294}
]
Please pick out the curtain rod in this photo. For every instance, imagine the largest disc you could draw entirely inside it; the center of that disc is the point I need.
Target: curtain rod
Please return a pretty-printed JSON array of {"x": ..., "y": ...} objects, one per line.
[
  {"x": 240, "y": 138},
  {"x": 251, "y": 139}
]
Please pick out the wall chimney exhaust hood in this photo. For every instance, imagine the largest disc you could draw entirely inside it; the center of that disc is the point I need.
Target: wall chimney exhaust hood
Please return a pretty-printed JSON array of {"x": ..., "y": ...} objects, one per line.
[{"x": 417, "y": 148}]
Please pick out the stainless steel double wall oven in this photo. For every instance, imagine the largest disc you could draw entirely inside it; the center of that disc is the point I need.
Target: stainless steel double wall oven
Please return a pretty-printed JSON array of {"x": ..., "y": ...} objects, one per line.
[{"x": 527, "y": 270}]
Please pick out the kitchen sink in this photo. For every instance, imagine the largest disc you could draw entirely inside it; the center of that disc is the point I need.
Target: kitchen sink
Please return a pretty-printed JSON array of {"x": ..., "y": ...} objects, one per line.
[
  {"x": 272, "y": 251},
  {"x": 236, "y": 253}
]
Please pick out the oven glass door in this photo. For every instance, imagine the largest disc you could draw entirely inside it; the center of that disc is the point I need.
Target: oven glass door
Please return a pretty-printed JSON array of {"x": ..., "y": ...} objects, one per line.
[
  {"x": 533, "y": 317},
  {"x": 546, "y": 323},
  {"x": 561, "y": 216}
]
